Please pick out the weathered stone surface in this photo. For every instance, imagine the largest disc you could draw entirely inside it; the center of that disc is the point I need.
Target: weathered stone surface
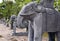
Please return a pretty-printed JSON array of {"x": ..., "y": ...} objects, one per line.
[
  {"x": 43, "y": 18},
  {"x": 12, "y": 19}
]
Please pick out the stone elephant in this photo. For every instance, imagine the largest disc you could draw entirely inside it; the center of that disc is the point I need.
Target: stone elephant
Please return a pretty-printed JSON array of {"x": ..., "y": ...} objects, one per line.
[
  {"x": 12, "y": 19},
  {"x": 42, "y": 17},
  {"x": 34, "y": 31},
  {"x": 20, "y": 22}
]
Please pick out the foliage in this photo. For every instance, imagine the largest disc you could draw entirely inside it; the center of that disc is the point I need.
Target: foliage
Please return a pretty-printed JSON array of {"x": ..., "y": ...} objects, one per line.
[
  {"x": 57, "y": 5},
  {"x": 8, "y": 8}
]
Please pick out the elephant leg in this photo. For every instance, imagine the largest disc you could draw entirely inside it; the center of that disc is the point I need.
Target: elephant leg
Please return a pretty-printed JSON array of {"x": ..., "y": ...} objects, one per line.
[
  {"x": 58, "y": 36},
  {"x": 14, "y": 28},
  {"x": 30, "y": 32},
  {"x": 37, "y": 33},
  {"x": 51, "y": 36},
  {"x": 27, "y": 29},
  {"x": 11, "y": 25}
]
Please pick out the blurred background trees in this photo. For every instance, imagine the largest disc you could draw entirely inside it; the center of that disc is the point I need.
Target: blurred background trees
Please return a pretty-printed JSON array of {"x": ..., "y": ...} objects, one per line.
[
  {"x": 10, "y": 7},
  {"x": 57, "y": 5}
]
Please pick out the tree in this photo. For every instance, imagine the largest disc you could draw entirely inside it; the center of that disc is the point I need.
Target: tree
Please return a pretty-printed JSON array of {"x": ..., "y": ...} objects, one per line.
[
  {"x": 8, "y": 8},
  {"x": 57, "y": 4}
]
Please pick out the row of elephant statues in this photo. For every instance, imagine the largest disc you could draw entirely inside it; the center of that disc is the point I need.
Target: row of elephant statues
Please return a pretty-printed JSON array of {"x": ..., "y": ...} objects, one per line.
[{"x": 38, "y": 18}]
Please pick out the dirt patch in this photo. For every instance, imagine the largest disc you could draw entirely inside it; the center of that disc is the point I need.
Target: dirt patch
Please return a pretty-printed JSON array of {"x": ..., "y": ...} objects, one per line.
[
  {"x": 1, "y": 36},
  {"x": 6, "y": 34}
]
